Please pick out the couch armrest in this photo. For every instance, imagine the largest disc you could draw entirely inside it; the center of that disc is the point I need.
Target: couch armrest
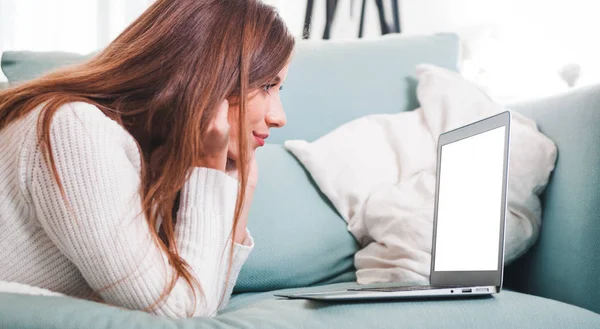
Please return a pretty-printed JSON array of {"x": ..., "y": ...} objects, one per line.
[{"x": 565, "y": 262}]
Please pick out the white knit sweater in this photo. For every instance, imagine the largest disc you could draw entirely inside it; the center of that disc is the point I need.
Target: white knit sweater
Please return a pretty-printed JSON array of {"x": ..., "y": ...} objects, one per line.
[{"x": 101, "y": 246}]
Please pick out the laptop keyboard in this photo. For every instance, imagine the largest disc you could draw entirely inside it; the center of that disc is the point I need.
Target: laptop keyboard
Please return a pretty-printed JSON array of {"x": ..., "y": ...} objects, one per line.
[{"x": 401, "y": 288}]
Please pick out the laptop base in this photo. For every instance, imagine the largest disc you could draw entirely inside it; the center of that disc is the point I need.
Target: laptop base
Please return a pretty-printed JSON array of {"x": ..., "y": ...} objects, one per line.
[{"x": 401, "y": 293}]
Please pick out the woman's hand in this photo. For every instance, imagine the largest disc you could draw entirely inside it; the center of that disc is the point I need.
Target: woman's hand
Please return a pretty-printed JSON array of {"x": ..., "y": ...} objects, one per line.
[
  {"x": 214, "y": 149},
  {"x": 216, "y": 143}
]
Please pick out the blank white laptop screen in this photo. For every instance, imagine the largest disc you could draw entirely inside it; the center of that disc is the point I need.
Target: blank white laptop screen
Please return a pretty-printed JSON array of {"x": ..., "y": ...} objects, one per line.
[{"x": 470, "y": 201}]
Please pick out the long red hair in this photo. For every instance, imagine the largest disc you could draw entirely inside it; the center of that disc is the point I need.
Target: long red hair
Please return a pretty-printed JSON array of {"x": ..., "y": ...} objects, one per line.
[{"x": 162, "y": 79}]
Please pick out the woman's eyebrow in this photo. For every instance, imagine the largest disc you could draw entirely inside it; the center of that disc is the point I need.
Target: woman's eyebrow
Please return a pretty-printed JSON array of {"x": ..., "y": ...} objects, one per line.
[{"x": 276, "y": 80}]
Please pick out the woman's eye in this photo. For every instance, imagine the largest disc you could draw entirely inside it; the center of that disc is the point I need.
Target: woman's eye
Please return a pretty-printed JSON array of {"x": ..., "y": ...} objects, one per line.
[{"x": 268, "y": 87}]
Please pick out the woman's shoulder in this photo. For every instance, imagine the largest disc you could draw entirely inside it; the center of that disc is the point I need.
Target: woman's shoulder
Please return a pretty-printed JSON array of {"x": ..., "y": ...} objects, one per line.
[
  {"x": 87, "y": 115},
  {"x": 84, "y": 123}
]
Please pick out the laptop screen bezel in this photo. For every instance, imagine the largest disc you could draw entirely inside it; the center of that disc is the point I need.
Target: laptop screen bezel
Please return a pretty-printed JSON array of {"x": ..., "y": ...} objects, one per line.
[{"x": 473, "y": 278}]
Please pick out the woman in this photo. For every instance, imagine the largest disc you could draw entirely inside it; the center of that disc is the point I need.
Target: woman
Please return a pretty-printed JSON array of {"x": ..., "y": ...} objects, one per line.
[{"x": 128, "y": 178}]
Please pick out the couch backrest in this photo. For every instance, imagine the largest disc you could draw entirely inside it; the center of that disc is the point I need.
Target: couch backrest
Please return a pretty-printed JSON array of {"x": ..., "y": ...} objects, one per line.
[
  {"x": 20, "y": 66},
  {"x": 329, "y": 82},
  {"x": 564, "y": 264},
  {"x": 333, "y": 82}
]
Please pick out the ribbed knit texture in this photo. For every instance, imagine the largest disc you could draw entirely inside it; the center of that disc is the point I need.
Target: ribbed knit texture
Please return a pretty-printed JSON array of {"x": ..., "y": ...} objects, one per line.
[{"x": 101, "y": 245}]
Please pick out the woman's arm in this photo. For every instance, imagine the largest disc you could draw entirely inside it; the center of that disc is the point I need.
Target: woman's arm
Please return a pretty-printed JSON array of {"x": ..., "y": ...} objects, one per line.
[{"x": 103, "y": 231}]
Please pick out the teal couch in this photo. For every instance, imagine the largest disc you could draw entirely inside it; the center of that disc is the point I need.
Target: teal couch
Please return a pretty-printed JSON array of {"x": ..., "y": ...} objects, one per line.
[{"x": 302, "y": 243}]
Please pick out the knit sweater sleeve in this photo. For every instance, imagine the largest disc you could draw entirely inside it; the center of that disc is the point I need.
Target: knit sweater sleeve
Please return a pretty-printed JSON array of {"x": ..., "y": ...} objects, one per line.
[{"x": 104, "y": 232}]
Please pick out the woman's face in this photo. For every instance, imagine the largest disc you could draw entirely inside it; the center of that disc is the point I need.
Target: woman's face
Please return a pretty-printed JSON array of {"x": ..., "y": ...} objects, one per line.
[{"x": 264, "y": 111}]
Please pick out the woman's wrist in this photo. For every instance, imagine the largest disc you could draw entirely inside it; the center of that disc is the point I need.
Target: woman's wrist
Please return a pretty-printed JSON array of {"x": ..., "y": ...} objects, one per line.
[
  {"x": 240, "y": 230},
  {"x": 240, "y": 236},
  {"x": 211, "y": 163}
]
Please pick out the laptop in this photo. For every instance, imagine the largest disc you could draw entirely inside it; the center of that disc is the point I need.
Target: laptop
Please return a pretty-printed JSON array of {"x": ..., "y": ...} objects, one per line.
[{"x": 467, "y": 256}]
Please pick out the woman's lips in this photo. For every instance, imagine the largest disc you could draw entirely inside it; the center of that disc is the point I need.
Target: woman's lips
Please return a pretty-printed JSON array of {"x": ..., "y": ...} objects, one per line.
[{"x": 260, "y": 138}]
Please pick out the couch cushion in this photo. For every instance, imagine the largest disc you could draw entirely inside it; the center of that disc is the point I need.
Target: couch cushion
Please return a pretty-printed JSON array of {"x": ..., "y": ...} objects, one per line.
[
  {"x": 300, "y": 240},
  {"x": 261, "y": 310},
  {"x": 505, "y": 310}
]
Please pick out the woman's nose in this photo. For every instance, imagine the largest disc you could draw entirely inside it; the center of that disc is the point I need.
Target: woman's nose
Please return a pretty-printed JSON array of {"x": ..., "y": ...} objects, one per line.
[{"x": 276, "y": 117}]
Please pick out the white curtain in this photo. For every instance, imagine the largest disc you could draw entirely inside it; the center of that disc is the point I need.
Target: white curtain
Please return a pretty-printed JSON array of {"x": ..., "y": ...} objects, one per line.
[
  {"x": 83, "y": 26},
  {"x": 79, "y": 26}
]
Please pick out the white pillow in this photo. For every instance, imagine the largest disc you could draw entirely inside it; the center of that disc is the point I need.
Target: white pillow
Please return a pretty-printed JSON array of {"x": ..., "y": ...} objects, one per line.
[{"x": 379, "y": 173}]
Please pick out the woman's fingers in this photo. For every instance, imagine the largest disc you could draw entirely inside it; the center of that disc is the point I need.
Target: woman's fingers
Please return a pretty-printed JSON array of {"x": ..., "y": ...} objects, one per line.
[{"x": 216, "y": 144}]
